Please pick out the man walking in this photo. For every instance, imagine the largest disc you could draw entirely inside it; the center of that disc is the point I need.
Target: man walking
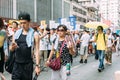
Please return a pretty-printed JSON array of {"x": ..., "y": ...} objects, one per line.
[
  {"x": 101, "y": 46},
  {"x": 22, "y": 45},
  {"x": 84, "y": 46}
]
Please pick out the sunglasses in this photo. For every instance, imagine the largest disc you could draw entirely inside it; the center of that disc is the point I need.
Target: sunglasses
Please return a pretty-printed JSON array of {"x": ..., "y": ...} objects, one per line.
[{"x": 61, "y": 30}]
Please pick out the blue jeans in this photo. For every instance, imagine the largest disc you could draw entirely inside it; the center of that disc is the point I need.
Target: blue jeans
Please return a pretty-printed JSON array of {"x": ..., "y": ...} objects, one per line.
[{"x": 101, "y": 54}]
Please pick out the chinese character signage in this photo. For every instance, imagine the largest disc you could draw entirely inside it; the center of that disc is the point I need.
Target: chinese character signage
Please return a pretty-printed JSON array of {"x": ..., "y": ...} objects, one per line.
[{"x": 72, "y": 20}]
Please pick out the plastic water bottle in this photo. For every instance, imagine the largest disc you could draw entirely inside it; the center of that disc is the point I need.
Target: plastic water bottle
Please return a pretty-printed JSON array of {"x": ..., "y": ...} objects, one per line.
[{"x": 68, "y": 69}]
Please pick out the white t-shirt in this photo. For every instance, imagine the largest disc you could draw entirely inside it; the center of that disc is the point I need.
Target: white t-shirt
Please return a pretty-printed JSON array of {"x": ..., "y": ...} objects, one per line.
[
  {"x": 76, "y": 37},
  {"x": 44, "y": 43},
  {"x": 52, "y": 38},
  {"x": 85, "y": 39},
  {"x": 92, "y": 39},
  {"x": 109, "y": 40}
]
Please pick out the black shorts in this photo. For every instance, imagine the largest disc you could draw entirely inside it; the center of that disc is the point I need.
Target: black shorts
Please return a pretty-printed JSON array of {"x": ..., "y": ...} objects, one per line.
[
  {"x": 2, "y": 55},
  {"x": 22, "y": 71}
]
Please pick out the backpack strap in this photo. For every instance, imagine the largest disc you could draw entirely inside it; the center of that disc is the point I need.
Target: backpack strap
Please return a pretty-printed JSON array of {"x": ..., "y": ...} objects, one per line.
[
  {"x": 62, "y": 47},
  {"x": 97, "y": 36},
  {"x": 104, "y": 38}
]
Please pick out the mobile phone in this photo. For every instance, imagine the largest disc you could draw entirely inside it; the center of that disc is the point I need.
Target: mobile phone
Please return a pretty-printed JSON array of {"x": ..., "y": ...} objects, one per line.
[
  {"x": 15, "y": 44},
  {"x": 35, "y": 77}
]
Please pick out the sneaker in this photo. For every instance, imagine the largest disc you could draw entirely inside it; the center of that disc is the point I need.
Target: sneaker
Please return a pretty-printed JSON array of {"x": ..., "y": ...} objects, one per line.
[
  {"x": 99, "y": 69},
  {"x": 85, "y": 61},
  {"x": 109, "y": 63},
  {"x": 106, "y": 61},
  {"x": 81, "y": 61}
]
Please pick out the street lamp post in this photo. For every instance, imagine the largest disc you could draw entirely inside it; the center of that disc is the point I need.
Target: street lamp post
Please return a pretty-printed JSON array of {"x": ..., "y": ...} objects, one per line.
[
  {"x": 107, "y": 8},
  {"x": 71, "y": 8},
  {"x": 35, "y": 10},
  {"x": 62, "y": 8},
  {"x": 51, "y": 9},
  {"x": 14, "y": 9}
]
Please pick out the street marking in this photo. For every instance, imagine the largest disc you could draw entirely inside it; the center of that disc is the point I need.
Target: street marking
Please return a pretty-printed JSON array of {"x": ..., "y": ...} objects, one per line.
[{"x": 75, "y": 67}]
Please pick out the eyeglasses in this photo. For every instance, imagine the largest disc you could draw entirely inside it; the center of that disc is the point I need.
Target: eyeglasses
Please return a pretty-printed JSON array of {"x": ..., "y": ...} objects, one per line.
[{"x": 61, "y": 30}]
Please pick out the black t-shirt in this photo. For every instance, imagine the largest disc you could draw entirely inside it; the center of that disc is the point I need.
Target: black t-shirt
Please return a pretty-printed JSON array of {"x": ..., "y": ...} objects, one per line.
[
  {"x": 23, "y": 52},
  {"x": 66, "y": 57}
]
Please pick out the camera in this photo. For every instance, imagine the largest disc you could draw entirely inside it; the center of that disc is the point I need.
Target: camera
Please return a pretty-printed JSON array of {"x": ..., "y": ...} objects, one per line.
[{"x": 48, "y": 33}]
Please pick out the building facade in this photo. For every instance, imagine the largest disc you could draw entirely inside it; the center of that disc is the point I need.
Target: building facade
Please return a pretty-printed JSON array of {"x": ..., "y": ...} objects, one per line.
[
  {"x": 92, "y": 7},
  {"x": 78, "y": 11},
  {"x": 36, "y": 8},
  {"x": 6, "y": 8},
  {"x": 110, "y": 10},
  {"x": 49, "y": 10}
]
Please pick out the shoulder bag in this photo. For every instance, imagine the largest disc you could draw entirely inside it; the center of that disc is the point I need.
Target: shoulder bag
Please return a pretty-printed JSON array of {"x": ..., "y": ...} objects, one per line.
[{"x": 55, "y": 64}]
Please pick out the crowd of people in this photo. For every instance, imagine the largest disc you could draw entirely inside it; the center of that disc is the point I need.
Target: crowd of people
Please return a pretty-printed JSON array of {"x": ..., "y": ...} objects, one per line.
[{"x": 39, "y": 45}]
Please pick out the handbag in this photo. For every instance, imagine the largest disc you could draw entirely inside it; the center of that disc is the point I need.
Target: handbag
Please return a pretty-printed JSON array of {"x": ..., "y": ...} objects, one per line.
[
  {"x": 10, "y": 62},
  {"x": 55, "y": 64}
]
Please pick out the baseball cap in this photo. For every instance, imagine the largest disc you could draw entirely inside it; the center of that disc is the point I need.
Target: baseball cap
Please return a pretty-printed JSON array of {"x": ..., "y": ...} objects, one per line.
[{"x": 24, "y": 16}]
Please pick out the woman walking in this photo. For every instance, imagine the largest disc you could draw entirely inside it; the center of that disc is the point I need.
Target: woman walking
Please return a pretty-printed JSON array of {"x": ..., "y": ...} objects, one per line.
[{"x": 67, "y": 50}]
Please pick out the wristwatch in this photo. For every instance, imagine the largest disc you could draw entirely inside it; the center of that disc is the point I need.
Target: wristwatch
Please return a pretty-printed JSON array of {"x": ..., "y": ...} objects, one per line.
[{"x": 37, "y": 65}]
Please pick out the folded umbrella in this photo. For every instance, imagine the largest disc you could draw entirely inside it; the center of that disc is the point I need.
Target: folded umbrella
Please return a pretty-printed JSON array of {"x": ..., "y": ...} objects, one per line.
[{"x": 35, "y": 77}]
